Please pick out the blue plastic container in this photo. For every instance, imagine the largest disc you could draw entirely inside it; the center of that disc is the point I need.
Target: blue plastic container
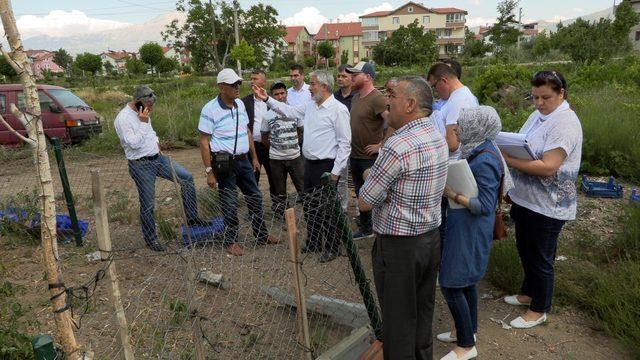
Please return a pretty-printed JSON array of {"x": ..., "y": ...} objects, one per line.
[
  {"x": 635, "y": 197},
  {"x": 199, "y": 235},
  {"x": 601, "y": 189}
]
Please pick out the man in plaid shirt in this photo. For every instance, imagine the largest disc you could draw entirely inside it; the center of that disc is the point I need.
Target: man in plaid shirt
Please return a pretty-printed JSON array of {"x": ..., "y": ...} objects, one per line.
[{"x": 404, "y": 189}]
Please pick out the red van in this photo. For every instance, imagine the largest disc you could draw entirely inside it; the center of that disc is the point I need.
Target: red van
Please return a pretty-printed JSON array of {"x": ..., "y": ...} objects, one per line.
[{"x": 64, "y": 114}]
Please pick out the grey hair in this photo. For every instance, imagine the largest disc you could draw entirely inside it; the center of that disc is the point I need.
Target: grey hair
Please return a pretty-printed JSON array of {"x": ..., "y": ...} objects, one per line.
[
  {"x": 324, "y": 78},
  {"x": 418, "y": 89},
  {"x": 393, "y": 80}
]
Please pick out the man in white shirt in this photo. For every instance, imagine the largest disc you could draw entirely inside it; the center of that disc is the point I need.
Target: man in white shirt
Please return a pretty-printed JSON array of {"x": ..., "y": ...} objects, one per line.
[
  {"x": 298, "y": 94},
  {"x": 146, "y": 162},
  {"x": 326, "y": 148}
]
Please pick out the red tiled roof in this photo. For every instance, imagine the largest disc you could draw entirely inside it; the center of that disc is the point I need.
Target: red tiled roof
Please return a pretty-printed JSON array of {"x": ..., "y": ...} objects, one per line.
[
  {"x": 530, "y": 32},
  {"x": 117, "y": 55},
  {"x": 447, "y": 10},
  {"x": 337, "y": 30},
  {"x": 31, "y": 53},
  {"x": 292, "y": 33},
  {"x": 376, "y": 14}
]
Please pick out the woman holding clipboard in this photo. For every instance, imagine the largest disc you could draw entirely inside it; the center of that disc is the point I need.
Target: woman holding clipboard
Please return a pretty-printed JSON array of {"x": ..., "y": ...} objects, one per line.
[{"x": 544, "y": 196}]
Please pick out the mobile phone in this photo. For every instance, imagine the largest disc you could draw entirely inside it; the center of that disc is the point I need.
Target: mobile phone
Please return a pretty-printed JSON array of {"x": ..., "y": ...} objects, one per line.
[{"x": 139, "y": 105}]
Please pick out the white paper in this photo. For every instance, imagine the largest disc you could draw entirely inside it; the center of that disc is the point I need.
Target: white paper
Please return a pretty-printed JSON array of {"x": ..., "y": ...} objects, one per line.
[
  {"x": 515, "y": 145},
  {"x": 460, "y": 179}
]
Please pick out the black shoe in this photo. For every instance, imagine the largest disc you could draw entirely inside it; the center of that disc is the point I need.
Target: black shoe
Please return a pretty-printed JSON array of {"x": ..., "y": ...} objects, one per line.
[
  {"x": 328, "y": 256},
  {"x": 309, "y": 249},
  {"x": 362, "y": 234},
  {"x": 198, "y": 222},
  {"x": 156, "y": 246}
]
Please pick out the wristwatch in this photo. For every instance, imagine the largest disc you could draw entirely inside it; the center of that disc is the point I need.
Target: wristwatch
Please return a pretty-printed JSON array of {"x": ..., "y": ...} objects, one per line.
[{"x": 207, "y": 170}]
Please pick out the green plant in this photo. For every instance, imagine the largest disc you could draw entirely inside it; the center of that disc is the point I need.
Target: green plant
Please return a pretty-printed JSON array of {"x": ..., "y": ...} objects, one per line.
[
  {"x": 504, "y": 269},
  {"x": 14, "y": 343},
  {"x": 120, "y": 207},
  {"x": 179, "y": 309}
]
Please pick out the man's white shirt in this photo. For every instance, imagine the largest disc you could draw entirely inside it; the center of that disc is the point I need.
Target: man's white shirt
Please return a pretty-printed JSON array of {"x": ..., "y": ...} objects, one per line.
[
  {"x": 138, "y": 139},
  {"x": 298, "y": 97}
]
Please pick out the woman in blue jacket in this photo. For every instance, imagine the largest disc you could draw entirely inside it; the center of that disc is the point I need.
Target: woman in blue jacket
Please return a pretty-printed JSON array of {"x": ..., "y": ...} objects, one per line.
[{"x": 465, "y": 251}]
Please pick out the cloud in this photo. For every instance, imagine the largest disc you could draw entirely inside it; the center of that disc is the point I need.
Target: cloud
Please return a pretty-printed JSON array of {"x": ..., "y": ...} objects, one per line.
[
  {"x": 474, "y": 2},
  {"x": 473, "y": 21},
  {"x": 60, "y": 23},
  {"x": 311, "y": 17}
]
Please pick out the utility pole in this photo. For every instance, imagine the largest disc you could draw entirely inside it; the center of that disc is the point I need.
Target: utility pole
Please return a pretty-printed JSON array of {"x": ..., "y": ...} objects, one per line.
[
  {"x": 519, "y": 25},
  {"x": 326, "y": 38},
  {"x": 235, "y": 24}
]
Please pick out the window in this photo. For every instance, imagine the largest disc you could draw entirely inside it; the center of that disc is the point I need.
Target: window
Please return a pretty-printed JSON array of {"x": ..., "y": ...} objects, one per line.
[
  {"x": 637, "y": 35},
  {"x": 3, "y": 104},
  {"x": 370, "y": 36},
  {"x": 410, "y": 9},
  {"x": 447, "y": 32},
  {"x": 45, "y": 101},
  {"x": 370, "y": 21},
  {"x": 426, "y": 19},
  {"x": 395, "y": 20},
  {"x": 455, "y": 18}
]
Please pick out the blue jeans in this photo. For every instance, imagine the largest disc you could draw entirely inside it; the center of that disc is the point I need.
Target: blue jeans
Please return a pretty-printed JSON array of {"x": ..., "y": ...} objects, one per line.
[
  {"x": 537, "y": 241},
  {"x": 358, "y": 166},
  {"x": 463, "y": 304},
  {"x": 144, "y": 173},
  {"x": 242, "y": 176}
]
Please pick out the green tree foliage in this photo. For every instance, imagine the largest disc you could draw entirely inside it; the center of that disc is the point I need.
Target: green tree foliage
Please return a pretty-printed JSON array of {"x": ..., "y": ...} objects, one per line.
[
  {"x": 409, "y": 45},
  {"x": 309, "y": 61},
  {"x": 541, "y": 45},
  {"x": 6, "y": 69},
  {"x": 135, "y": 66},
  {"x": 344, "y": 57},
  {"x": 504, "y": 32},
  {"x": 88, "y": 62},
  {"x": 167, "y": 65},
  {"x": 151, "y": 54},
  {"x": 108, "y": 67},
  {"x": 208, "y": 31},
  {"x": 326, "y": 50},
  {"x": 63, "y": 59},
  {"x": 244, "y": 53},
  {"x": 474, "y": 48}
]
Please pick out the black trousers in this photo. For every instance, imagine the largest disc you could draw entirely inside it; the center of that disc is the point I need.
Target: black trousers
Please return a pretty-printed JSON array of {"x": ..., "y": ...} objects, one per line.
[
  {"x": 263, "y": 158},
  {"x": 358, "y": 167},
  {"x": 318, "y": 208},
  {"x": 405, "y": 269},
  {"x": 279, "y": 170}
]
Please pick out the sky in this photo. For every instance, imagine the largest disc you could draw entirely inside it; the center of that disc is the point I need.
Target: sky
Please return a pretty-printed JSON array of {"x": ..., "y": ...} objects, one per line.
[{"x": 69, "y": 17}]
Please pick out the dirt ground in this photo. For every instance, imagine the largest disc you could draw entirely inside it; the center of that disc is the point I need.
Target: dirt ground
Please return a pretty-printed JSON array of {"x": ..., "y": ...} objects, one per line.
[{"x": 244, "y": 322}]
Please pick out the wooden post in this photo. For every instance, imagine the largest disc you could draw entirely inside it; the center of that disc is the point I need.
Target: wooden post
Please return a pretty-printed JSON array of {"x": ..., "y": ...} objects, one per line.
[
  {"x": 191, "y": 273},
  {"x": 301, "y": 309},
  {"x": 32, "y": 122},
  {"x": 104, "y": 244}
]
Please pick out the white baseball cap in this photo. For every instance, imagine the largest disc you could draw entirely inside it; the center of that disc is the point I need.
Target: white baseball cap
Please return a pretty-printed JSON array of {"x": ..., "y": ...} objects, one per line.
[{"x": 228, "y": 76}]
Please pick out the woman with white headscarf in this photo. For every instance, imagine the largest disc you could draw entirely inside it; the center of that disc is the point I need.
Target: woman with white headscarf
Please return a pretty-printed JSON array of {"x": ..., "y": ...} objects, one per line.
[{"x": 465, "y": 251}]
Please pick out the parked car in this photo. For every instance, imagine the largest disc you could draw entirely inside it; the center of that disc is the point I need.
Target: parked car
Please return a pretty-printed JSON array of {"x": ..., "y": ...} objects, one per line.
[{"x": 64, "y": 114}]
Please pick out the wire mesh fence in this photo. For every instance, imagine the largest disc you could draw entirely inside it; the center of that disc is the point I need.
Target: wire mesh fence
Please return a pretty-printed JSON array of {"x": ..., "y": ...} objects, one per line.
[{"x": 182, "y": 291}]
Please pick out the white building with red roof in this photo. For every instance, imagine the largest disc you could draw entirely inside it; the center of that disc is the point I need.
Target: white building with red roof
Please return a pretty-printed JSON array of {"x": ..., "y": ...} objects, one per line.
[{"x": 344, "y": 37}]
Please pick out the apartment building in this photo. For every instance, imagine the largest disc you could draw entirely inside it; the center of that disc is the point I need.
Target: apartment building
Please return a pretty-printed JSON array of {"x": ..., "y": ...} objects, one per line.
[
  {"x": 344, "y": 37},
  {"x": 299, "y": 42},
  {"x": 635, "y": 31},
  {"x": 448, "y": 24}
]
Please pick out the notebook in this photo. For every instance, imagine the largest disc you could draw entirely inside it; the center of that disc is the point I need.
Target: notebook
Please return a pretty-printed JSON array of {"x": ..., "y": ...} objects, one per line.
[
  {"x": 461, "y": 180},
  {"x": 516, "y": 145}
]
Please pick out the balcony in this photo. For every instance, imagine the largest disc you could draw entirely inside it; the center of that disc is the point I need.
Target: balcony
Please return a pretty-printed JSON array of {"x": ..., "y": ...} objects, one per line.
[
  {"x": 454, "y": 24},
  {"x": 449, "y": 40}
]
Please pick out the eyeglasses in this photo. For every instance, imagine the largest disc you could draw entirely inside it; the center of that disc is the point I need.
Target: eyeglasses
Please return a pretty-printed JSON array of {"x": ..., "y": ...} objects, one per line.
[
  {"x": 550, "y": 75},
  {"x": 235, "y": 86}
]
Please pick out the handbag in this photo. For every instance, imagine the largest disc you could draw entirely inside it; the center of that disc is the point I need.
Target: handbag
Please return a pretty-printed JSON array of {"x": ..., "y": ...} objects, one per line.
[
  {"x": 222, "y": 162},
  {"x": 499, "y": 228}
]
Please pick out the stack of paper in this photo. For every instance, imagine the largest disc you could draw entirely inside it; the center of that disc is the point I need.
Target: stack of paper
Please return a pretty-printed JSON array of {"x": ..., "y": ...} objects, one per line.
[
  {"x": 460, "y": 179},
  {"x": 515, "y": 145}
]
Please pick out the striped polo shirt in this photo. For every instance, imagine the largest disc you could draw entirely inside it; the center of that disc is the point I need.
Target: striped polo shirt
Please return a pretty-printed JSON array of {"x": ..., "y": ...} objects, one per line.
[{"x": 219, "y": 121}]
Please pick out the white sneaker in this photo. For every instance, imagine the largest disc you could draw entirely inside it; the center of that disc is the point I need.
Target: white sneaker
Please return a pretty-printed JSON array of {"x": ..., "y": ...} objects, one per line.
[
  {"x": 447, "y": 338},
  {"x": 520, "y": 323},
  {"x": 471, "y": 354},
  {"x": 513, "y": 300}
]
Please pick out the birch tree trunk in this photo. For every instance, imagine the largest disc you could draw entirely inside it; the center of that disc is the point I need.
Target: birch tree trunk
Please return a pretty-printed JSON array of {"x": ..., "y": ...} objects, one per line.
[{"x": 31, "y": 120}]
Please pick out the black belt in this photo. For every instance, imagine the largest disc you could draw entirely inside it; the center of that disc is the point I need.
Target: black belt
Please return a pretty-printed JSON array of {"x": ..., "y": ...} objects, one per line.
[
  {"x": 321, "y": 161},
  {"x": 148, "y": 158},
  {"x": 234, "y": 157}
]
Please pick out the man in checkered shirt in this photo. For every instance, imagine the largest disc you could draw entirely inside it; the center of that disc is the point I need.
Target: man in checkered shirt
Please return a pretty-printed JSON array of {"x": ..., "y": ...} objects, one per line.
[{"x": 404, "y": 189}]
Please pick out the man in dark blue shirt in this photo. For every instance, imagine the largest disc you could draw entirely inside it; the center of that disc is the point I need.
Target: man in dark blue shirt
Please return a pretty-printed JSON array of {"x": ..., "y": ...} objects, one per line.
[{"x": 344, "y": 93}]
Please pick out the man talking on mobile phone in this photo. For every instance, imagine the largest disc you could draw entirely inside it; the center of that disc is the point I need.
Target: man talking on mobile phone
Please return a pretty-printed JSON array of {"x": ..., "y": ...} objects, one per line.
[{"x": 146, "y": 162}]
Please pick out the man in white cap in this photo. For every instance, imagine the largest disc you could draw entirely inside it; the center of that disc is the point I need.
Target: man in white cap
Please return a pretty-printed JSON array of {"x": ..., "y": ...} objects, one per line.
[
  {"x": 140, "y": 144},
  {"x": 225, "y": 141}
]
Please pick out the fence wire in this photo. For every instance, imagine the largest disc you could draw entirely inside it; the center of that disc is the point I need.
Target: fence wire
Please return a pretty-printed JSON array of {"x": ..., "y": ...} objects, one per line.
[{"x": 175, "y": 298}]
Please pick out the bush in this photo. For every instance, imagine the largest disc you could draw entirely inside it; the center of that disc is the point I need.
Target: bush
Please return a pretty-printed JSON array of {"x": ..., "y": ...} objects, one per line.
[
  {"x": 504, "y": 269},
  {"x": 495, "y": 77}
]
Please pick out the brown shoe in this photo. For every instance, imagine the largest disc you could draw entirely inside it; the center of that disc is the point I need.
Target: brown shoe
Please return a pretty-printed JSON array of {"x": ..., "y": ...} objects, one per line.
[
  {"x": 270, "y": 240},
  {"x": 235, "y": 250}
]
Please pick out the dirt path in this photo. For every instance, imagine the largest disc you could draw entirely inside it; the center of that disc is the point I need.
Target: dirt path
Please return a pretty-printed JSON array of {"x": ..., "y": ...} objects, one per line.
[{"x": 569, "y": 334}]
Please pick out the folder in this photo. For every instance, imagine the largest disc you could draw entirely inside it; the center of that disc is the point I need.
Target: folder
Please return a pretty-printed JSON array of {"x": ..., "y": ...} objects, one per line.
[
  {"x": 460, "y": 179},
  {"x": 516, "y": 145}
]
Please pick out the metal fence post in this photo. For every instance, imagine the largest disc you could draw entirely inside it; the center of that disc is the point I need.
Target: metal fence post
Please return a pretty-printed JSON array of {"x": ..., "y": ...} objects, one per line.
[
  {"x": 57, "y": 149},
  {"x": 344, "y": 231}
]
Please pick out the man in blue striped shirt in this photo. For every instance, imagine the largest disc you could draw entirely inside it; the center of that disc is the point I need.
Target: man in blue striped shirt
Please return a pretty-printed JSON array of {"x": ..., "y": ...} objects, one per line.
[{"x": 225, "y": 141}]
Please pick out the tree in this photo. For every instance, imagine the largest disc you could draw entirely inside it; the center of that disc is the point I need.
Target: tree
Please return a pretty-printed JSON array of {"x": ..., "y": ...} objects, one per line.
[
  {"x": 309, "y": 61},
  {"x": 541, "y": 45},
  {"x": 167, "y": 65},
  {"x": 7, "y": 70},
  {"x": 89, "y": 62},
  {"x": 326, "y": 50},
  {"x": 244, "y": 53},
  {"x": 625, "y": 18},
  {"x": 151, "y": 54},
  {"x": 504, "y": 32},
  {"x": 409, "y": 45},
  {"x": 135, "y": 66},
  {"x": 473, "y": 47},
  {"x": 63, "y": 59},
  {"x": 108, "y": 68},
  {"x": 209, "y": 35},
  {"x": 344, "y": 57}
]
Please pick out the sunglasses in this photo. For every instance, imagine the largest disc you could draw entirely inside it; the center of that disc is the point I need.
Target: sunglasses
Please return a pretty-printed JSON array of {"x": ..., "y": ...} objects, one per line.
[
  {"x": 550, "y": 75},
  {"x": 235, "y": 86}
]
